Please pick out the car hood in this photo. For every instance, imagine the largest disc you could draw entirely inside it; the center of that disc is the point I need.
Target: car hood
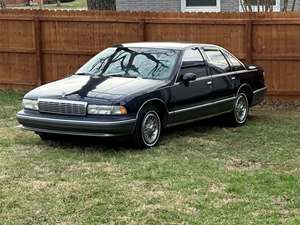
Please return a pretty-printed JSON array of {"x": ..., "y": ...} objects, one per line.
[{"x": 107, "y": 89}]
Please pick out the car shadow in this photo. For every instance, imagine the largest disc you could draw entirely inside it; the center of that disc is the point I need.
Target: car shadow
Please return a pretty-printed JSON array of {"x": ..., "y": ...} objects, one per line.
[{"x": 96, "y": 144}]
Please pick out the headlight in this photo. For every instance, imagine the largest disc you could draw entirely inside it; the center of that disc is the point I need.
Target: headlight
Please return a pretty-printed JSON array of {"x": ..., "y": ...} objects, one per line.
[
  {"x": 30, "y": 104},
  {"x": 106, "y": 110}
]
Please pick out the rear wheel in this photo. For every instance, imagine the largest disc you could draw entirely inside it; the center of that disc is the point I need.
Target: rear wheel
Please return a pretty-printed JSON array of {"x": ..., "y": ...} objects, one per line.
[
  {"x": 239, "y": 115},
  {"x": 148, "y": 128}
]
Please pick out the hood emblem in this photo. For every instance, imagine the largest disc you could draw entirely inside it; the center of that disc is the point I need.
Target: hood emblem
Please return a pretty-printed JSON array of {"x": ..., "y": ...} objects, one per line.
[{"x": 63, "y": 94}]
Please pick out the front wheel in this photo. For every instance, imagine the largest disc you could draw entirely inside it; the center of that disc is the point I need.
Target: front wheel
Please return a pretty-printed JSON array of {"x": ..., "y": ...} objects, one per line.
[
  {"x": 240, "y": 112},
  {"x": 148, "y": 128}
]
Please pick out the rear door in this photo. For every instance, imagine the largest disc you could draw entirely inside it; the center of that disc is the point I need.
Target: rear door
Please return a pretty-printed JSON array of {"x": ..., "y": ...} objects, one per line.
[
  {"x": 223, "y": 79},
  {"x": 190, "y": 99}
]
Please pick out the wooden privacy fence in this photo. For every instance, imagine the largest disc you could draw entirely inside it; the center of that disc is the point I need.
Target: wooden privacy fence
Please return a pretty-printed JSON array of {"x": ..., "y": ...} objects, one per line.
[{"x": 37, "y": 47}]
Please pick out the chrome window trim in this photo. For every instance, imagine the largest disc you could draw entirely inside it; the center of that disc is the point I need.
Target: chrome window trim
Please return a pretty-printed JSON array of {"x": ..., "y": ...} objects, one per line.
[
  {"x": 176, "y": 82},
  {"x": 229, "y": 53},
  {"x": 215, "y": 76}
]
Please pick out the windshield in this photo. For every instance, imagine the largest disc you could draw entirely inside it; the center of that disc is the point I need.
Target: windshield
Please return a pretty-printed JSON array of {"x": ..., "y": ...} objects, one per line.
[{"x": 146, "y": 63}]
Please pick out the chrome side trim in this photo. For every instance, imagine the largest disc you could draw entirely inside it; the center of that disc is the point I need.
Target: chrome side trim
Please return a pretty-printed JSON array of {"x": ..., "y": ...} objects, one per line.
[
  {"x": 75, "y": 122},
  {"x": 259, "y": 90},
  {"x": 197, "y": 119},
  {"x": 203, "y": 105},
  {"x": 229, "y": 73},
  {"x": 216, "y": 76},
  {"x": 68, "y": 132}
]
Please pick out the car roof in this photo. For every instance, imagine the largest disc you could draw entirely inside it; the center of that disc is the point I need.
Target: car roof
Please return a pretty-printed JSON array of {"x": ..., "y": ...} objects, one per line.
[{"x": 165, "y": 45}]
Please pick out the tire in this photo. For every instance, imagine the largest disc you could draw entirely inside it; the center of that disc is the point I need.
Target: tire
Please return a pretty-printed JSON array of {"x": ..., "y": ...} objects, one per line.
[
  {"x": 240, "y": 112},
  {"x": 150, "y": 119}
]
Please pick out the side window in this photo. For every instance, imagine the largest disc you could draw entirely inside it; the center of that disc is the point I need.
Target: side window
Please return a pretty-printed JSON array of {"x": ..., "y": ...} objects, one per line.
[
  {"x": 235, "y": 64},
  {"x": 217, "y": 62},
  {"x": 193, "y": 62}
]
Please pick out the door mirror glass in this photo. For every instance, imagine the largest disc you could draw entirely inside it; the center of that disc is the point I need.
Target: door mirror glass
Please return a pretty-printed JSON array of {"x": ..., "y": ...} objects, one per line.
[{"x": 186, "y": 78}]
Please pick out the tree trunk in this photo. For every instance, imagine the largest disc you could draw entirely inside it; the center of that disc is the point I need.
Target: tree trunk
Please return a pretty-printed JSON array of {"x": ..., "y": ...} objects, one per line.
[
  {"x": 285, "y": 5},
  {"x": 101, "y": 4},
  {"x": 2, "y": 4},
  {"x": 294, "y": 4}
]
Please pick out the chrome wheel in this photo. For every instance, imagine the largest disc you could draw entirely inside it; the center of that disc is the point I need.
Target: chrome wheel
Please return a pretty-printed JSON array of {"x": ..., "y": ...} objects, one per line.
[
  {"x": 151, "y": 128},
  {"x": 241, "y": 108}
]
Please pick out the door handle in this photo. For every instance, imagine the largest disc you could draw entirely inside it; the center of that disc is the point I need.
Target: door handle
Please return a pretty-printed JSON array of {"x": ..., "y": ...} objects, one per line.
[
  {"x": 233, "y": 78},
  {"x": 209, "y": 82}
]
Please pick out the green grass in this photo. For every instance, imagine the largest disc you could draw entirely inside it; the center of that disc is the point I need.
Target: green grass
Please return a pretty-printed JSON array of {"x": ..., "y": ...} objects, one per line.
[
  {"x": 204, "y": 173},
  {"x": 77, "y": 4}
]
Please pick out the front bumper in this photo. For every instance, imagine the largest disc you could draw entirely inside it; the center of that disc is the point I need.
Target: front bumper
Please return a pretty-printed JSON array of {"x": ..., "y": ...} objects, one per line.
[{"x": 74, "y": 125}]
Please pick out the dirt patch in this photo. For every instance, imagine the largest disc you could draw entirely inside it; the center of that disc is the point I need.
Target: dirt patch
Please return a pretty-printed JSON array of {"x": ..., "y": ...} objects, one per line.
[
  {"x": 242, "y": 165},
  {"x": 34, "y": 186},
  {"x": 95, "y": 167},
  {"x": 222, "y": 198},
  {"x": 280, "y": 105},
  {"x": 158, "y": 198}
]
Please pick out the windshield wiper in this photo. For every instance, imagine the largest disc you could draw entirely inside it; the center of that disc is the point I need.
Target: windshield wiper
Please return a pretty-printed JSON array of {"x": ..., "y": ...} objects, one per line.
[
  {"x": 120, "y": 75},
  {"x": 89, "y": 74}
]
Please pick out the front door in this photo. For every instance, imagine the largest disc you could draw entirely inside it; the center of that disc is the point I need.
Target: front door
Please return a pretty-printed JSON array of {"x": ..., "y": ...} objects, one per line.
[{"x": 190, "y": 99}]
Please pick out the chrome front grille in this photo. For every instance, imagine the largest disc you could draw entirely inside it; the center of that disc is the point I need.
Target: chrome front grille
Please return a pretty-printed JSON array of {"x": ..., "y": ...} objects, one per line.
[{"x": 62, "y": 107}]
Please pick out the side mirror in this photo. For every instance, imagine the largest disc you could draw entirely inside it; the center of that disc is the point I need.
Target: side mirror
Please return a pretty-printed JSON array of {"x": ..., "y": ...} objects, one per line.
[
  {"x": 186, "y": 78},
  {"x": 252, "y": 67}
]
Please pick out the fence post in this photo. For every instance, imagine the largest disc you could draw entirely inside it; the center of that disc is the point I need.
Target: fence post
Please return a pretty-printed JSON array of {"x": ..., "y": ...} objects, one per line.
[
  {"x": 38, "y": 55},
  {"x": 142, "y": 30},
  {"x": 248, "y": 41}
]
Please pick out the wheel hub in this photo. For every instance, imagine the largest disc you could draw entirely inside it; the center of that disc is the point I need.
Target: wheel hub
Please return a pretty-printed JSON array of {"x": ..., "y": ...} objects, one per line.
[
  {"x": 241, "y": 108},
  {"x": 151, "y": 128}
]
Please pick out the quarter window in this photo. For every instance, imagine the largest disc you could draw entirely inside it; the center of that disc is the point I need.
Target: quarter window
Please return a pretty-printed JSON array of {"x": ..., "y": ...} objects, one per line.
[
  {"x": 217, "y": 62},
  {"x": 235, "y": 64},
  {"x": 193, "y": 62}
]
